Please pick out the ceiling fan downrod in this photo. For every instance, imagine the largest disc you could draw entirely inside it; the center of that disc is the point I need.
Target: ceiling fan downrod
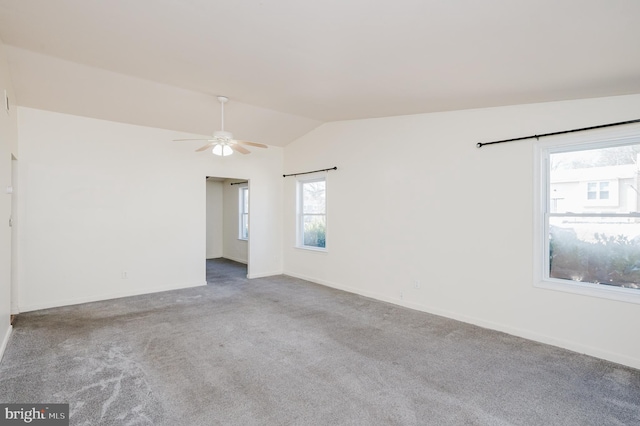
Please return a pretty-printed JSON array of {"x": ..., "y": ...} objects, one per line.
[{"x": 223, "y": 100}]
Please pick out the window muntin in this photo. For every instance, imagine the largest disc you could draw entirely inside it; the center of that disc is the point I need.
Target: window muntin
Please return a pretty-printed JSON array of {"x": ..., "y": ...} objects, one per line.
[
  {"x": 590, "y": 217},
  {"x": 312, "y": 214},
  {"x": 243, "y": 209}
]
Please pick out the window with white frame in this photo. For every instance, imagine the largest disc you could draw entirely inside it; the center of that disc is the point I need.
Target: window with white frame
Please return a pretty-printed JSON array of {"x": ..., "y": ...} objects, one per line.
[
  {"x": 312, "y": 214},
  {"x": 588, "y": 231},
  {"x": 243, "y": 209}
]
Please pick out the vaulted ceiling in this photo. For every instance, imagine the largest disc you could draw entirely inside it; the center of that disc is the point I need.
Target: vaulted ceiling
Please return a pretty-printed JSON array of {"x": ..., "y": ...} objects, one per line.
[{"x": 289, "y": 65}]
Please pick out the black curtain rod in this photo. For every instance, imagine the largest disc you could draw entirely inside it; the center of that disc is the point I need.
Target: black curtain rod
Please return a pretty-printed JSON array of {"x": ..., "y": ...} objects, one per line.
[
  {"x": 238, "y": 183},
  {"x": 306, "y": 173},
  {"x": 481, "y": 144}
]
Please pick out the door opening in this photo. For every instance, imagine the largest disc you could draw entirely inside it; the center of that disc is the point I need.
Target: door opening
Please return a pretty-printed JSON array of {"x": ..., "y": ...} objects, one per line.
[{"x": 227, "y": 224}]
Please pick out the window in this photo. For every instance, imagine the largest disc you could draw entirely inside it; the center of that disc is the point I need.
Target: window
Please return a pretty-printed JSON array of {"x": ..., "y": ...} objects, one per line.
[
  {"x": 243, "y": 209},
  {"x": 597, "y": 190},
  {"x": 588, "y": 231},
  {"x": 312, "y": 214}
]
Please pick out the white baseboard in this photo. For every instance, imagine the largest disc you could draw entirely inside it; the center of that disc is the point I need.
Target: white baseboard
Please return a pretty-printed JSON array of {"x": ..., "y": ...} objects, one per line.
[
  {"x": 526, "y": 334},
  {"x": 108, "y": 296},
  {"x": 252, "y": 276},
  {"x": 265, "y": 274},
  {"x": 5, "y": 341},
  {"x": 235, "y": 259}
]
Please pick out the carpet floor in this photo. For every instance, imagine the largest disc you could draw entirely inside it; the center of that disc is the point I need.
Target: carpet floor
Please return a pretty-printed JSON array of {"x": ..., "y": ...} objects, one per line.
[{"x": 283, "y": 351}]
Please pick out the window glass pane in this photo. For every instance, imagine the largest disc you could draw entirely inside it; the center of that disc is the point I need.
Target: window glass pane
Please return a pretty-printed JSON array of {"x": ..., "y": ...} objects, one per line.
[
  {"x": 243, "y": 210},
  {"x": 244, "y": 227},
  {"x": 595, "y": 250},
  {"x": 245, "y": 200},
  {"x": 314, "y": 231},
  {"x": 603, "y": 180},
  {"x": 599, "y": 157},
  {"x": 313, "y": 197}
]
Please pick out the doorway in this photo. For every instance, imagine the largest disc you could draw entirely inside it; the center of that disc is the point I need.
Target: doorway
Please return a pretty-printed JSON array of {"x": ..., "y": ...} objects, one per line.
[{"x": 227, "y": 222}]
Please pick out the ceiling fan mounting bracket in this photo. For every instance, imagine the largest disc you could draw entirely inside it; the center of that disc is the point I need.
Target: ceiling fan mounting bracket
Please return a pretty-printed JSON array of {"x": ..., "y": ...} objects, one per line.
[
  {"x": 222, "y": 136},
  {"x": 223, "y": 99}
]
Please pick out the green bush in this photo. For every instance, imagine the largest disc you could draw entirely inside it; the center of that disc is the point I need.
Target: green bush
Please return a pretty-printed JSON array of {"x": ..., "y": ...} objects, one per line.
[
  {"x": 315, "y": 234},
  {"x": 611, "y": 260}
]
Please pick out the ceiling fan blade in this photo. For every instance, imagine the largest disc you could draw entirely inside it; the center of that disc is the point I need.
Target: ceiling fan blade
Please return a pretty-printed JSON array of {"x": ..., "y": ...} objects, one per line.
[
  {"x": 205, "y": 147},
  {"x": 240, "y": 149},
  {"x": 201, "y": 139},
  {"x": 259, "y": 145}
]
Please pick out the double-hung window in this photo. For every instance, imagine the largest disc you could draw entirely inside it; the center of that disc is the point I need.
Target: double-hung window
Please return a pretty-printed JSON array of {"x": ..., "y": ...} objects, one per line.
[
  {"x": 312, "y": 214},
  {"x": 588, "y": 215},
  {"x": 243, "y": 209}
]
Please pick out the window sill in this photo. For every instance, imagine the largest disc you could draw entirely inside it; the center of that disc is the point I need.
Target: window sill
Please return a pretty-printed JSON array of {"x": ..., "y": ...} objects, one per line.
[
  {"x": 243, "y": 239},
  {"x": 621, "y": 294},
  {"x": 314, "y": 249}
]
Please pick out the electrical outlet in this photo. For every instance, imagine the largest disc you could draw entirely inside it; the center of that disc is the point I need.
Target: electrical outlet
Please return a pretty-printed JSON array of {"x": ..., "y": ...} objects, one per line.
[
  {"x": 124, "y": 275},
  {"x": 402, "y": 295},
  {"x": 417, "y": 284}
]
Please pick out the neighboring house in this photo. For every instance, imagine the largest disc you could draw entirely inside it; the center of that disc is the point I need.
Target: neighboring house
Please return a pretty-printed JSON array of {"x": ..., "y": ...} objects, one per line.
[{"x": 610, "y": 189}]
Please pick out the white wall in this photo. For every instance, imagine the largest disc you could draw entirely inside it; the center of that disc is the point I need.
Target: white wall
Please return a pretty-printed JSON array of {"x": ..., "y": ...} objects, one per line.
[
  {"x": 214, "y": 219},
  {"x": 103, "y": 198},
  {"x": 8, "y": 146},
  {"x": 234, "y": 248},
  {"x": 415, "y": 203}
]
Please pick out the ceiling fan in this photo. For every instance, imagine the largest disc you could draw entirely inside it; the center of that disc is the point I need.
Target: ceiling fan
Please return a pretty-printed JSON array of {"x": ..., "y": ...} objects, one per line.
[{"x": 222, "y": 142}]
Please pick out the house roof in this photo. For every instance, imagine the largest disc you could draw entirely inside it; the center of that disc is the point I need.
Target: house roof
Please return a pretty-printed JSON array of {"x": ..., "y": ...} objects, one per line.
[{"x": 288, "y": 66}]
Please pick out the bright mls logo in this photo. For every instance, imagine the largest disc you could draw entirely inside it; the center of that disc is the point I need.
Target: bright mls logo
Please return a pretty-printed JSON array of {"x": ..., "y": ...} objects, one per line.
[{"x": 34, "y": 414}]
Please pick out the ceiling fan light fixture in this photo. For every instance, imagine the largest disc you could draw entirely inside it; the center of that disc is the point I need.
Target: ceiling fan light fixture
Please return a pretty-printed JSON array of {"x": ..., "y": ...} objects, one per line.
[{"x": 222, "y": 150}]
